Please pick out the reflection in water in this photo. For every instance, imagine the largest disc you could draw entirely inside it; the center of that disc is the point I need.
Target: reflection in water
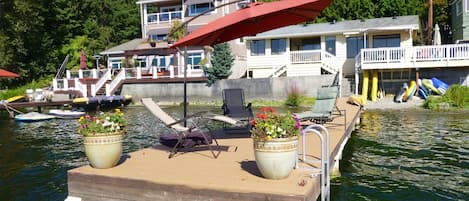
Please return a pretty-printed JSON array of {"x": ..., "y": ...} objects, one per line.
[
  {"x": 399, "y": 155},
  {"x": 393, "y": 156}
]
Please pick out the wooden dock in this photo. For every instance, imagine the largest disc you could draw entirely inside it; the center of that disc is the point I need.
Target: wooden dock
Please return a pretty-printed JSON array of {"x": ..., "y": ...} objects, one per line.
[
  {"x": 148, "y": 174},
  {"x": 21, "y": 105}
]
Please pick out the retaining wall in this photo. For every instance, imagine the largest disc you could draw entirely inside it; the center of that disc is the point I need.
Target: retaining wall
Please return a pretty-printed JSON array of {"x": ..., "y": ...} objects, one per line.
[{"x": 258, "y": 89}]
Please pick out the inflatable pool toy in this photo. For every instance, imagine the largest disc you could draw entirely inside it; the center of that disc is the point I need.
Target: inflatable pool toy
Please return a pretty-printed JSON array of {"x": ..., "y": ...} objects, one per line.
[
  {"x": 409, "y": 93},
  {"x": 429, "y": 85},
  {"x": 398, "y": 96},
  {"x": 440, "y": 85}
]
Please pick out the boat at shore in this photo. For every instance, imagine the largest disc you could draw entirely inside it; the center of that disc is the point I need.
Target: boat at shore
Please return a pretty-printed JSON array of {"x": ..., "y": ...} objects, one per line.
[
  {"x": 66, "y": 114},
  {"x": 33, "y": 117}
]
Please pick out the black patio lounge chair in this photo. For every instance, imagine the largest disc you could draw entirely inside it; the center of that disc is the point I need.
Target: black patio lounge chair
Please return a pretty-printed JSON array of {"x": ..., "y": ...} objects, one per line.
[
  {"x": 187, "y": 137},
  {"x": 234, "y": 106}
]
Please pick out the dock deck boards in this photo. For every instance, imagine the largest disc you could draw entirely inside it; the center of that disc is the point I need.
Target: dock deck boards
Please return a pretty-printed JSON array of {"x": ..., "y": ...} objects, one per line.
[{"x": 148, "y": 174}]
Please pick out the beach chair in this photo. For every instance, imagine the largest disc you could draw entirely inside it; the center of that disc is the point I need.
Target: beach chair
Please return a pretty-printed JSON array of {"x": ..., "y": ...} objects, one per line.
[
  {"x": 234, "y": 106},
  {"x": 324, "y": 109},
  {"x": 187, "y": 137}
]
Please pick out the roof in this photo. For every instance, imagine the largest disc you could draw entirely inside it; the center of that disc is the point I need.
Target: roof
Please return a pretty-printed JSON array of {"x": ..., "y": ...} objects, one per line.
[
  {"x": 410, "y": 22},
  {"x": 133, "y": 45}
]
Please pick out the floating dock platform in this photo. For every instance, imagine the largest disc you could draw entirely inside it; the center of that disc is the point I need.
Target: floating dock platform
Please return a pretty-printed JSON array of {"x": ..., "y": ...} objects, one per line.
[{"x": 148, "y": 174}]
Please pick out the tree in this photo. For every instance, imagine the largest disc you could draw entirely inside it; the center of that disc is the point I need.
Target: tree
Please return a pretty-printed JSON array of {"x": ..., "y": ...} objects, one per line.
[
  {"x": 222, "y": 61},
  {"x": 176, "y": 31}
]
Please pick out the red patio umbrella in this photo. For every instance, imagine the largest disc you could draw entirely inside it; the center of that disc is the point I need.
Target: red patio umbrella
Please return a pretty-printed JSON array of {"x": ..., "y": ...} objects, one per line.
[
  {"x": 254, "y": 18},
  {"x": 83, "y": 60},
  {"x": 7, "y": 74}
]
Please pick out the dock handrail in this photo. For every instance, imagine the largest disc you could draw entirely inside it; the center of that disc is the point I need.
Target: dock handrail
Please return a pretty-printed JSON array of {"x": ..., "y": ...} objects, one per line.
[
  {"x": 60, "y": 73},
  {"x": 324, "y": 160}
]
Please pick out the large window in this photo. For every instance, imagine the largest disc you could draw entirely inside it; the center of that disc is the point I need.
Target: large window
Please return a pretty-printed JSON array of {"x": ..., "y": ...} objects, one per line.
[
  {"x": 257, "y": 47},
  {"x": 387, "y": 41},
  {"x": 141, "y": 62},
  {"x": 158, "y": 37},
  {"x": 195, "y": 9},
  {"x": 354, "y": 45},
  {"x": 194, "y": 59},
  {"x": 330, "y": 44},
  {"x": 311, "y": 44},
  {"x": 278, "y": 46},
  {"x": 116, "y": 63}
]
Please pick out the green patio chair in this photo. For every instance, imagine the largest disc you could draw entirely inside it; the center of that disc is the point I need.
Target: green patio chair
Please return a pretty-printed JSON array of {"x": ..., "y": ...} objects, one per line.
[{"x": 324, "y": 109}]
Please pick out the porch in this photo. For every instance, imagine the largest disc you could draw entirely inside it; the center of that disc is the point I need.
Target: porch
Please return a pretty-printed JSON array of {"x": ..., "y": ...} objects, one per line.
[
  {"x": 93, "y": 82},
  {"x": 293, "y": 63},
  {"x": 452, "y": 55}
]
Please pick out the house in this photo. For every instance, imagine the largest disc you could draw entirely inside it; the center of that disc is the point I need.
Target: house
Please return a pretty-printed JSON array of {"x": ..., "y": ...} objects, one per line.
[
  {"x": 157, "y": 17},
  {"x": 381, "y": 48}
]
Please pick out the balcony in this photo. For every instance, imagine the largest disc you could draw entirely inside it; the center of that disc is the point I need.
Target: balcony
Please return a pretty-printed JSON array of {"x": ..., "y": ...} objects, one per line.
[
  {"x": 164, "y": 17},
  {"x": 454, "y": 55}
]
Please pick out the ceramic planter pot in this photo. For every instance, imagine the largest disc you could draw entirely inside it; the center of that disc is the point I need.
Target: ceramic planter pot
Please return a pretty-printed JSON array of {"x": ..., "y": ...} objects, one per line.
[
  {"x": 276, "y": 158},
  {"x": 105, "y": 150}
]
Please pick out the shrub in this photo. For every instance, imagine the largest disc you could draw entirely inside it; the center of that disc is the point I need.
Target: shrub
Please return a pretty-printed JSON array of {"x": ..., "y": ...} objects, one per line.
[
  {"x": 294, "y": 97},
  {"x": 458, "y": 96}
]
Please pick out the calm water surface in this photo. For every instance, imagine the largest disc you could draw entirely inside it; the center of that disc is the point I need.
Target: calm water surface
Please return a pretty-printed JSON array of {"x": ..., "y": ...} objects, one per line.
[
  {"x": 398, "y": 155},
  {"x": 430, "y": 149}
]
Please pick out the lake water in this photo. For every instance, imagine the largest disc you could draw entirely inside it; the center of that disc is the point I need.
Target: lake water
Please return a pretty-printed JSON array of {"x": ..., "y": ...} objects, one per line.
[{"x": 430, "y": 149}]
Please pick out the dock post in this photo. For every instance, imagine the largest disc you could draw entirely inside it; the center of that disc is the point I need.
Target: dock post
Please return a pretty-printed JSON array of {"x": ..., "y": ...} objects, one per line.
[
  {"x": 365, "y": 86},
  {"x": 374, "y": 85}
]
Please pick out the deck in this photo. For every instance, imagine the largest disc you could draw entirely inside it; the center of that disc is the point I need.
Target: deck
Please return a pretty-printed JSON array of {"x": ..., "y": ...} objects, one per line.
[{"x": 148, "y": 174}]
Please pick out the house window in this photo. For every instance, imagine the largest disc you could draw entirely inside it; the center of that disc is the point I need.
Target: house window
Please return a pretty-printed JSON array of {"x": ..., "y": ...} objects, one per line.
[
  {"x": 330, "y": 44},
  {"x": 170, "y": 13},
  {"x": 459, "y": 7},
  {"x": 158, "y": 37},
  {"x": 278, "y": 46},
  {"x": 195, "y": 9},
  {"x": 194, "y": 59},
  {"x": 116, "y": 63},
  {"x": 387, "y": 41},
  {"x": 257, "y": 47},
  {"x": 311, "y": 44},
  {"x": 141, "y": 62},
  {"x": 354, "y": 45}
]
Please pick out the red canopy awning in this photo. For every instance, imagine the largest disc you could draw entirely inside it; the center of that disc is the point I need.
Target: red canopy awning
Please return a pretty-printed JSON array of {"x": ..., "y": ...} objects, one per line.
[
  {"x": 5, "y": 73},
  {"x": 255, "y": 18}
]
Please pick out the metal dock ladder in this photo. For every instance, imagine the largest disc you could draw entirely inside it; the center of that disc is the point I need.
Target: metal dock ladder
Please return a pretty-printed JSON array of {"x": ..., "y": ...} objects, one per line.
[{"x": 324, "y": 161}]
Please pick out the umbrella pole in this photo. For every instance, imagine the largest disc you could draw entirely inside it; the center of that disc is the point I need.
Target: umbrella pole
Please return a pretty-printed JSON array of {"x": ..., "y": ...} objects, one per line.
[{"x": 185, "y": 86}]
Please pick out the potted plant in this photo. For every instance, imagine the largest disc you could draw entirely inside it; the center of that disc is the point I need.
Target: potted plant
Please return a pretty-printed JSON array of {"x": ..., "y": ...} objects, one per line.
[
  {"x": 103, "y": 135},
  {"x": 275, "y": 139}
]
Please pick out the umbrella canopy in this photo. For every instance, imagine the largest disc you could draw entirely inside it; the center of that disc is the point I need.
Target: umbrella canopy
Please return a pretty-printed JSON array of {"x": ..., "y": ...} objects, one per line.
[
  {"x": 254, "y": 18},
  {"x": 83, "y": 60},
  {"x": 436, "y": 35},
  {"x": 8, "y": 74}
]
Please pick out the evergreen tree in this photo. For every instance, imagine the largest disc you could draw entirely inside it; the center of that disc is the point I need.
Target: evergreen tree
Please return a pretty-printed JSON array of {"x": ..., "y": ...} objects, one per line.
[{"x": 222, "y": 61}]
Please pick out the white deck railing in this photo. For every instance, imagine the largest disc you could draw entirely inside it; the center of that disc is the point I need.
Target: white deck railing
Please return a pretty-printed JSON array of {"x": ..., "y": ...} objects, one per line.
[
  {"x": 164, "y": 17},
  {"x": 95, "y": 87},
  {"x": 413, "y": 55},
  {"x": 305, "y": 56},
  {"x": 115, "y": 82}
]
